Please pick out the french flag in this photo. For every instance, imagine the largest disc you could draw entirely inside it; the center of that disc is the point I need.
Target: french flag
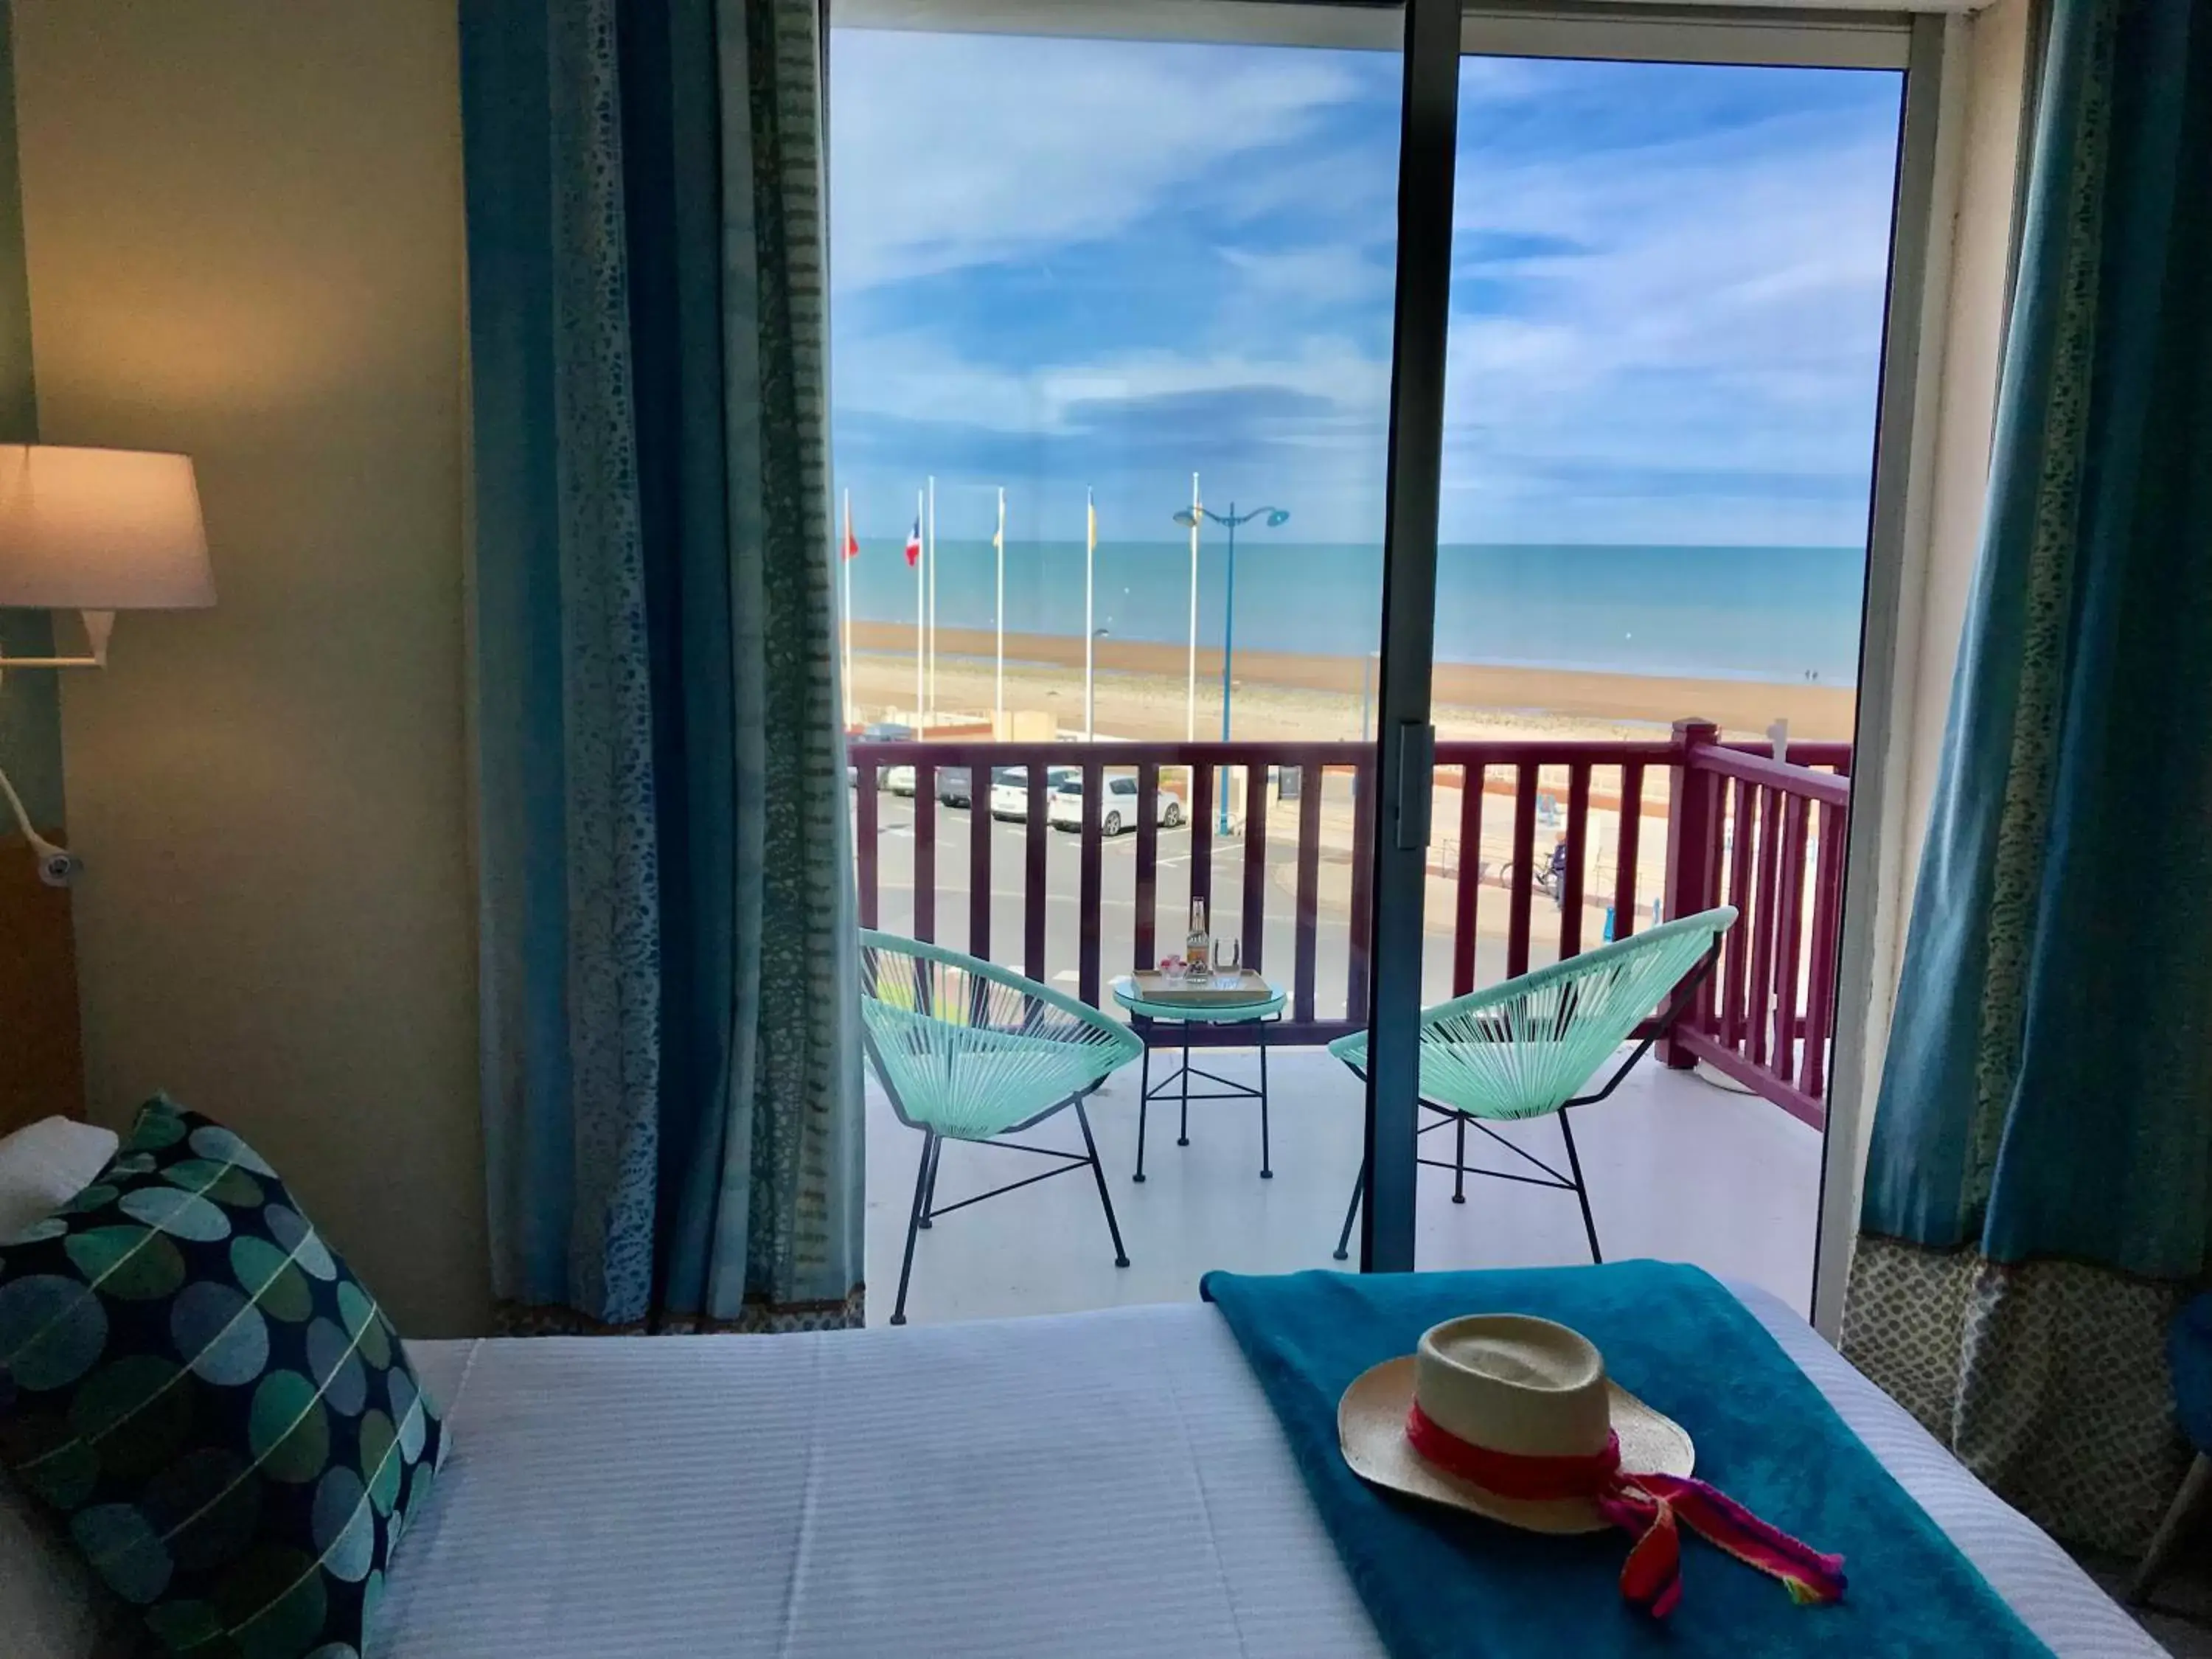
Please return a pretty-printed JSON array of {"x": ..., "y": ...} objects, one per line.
[{"x": 913, "y": 544}]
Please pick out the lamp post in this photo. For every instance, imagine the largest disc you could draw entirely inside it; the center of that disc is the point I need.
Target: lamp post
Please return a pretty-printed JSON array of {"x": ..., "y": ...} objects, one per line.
[{"x": 1189, "y": 516}]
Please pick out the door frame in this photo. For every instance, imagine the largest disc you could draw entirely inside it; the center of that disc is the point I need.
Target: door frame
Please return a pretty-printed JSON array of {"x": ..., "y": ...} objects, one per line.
[{"x": 1432, "y": 35}]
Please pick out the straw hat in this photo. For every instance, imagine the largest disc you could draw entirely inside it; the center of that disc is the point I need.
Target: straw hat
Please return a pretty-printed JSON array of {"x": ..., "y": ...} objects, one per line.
[{"x": 1505, "y": 1383}]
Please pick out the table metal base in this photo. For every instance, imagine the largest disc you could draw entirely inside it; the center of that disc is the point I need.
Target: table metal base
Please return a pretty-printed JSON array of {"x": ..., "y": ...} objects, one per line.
[{"x": 1176, "y": 1085}]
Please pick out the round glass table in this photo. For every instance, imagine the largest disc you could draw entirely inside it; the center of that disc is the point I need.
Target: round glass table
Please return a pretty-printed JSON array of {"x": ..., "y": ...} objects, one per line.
[{"x": 1147, "y": 1018}]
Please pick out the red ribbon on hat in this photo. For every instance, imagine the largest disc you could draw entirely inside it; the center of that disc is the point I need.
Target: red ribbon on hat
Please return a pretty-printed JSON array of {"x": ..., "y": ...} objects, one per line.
[{"x": 1647, "y": 1507}]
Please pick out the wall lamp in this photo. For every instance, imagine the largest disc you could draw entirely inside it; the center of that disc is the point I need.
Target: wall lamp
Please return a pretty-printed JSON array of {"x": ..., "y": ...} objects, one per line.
[{"x": 95, "y": 531}]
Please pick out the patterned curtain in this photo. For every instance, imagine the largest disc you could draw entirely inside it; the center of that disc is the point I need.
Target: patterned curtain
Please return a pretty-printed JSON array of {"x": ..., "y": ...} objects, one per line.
[
  {"x": 2040, "y": 1191},
  {"x": 671, "y": 1101}
]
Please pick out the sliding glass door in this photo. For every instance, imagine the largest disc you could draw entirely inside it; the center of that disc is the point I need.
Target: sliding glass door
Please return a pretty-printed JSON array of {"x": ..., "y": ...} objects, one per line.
[{"x": 1387, "y": 490}]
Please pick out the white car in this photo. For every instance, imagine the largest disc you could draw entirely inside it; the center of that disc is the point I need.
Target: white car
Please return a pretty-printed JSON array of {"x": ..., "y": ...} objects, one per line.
[
  {"x": 1119, "y": 811},
  {"x": 1010, "y": 788},
  {"x": 899, "y": 780}
]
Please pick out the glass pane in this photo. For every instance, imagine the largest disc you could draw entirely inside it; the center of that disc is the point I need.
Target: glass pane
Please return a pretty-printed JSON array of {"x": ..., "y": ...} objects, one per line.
[
  {"x": 1666, "y": 336},
  {"x": 1111, "y": 336}
]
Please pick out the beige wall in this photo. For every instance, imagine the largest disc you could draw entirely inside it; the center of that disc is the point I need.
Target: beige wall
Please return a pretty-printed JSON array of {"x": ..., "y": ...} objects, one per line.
[{"x": 243, "y": 220}]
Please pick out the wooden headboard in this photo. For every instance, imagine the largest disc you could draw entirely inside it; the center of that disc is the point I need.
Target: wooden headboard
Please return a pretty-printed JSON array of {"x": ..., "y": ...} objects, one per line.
[{"x": 41, "y": 1049}]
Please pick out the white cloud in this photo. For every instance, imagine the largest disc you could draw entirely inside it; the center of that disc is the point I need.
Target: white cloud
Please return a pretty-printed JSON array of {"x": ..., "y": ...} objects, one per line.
[
  {"x": 1331, "y": 273},
  {"x": 1011, "y": 148},
  {"x": 1672, "y": 314},
  {"x": 1721, "y": 314},
  {"x": 913, "y": 375}
]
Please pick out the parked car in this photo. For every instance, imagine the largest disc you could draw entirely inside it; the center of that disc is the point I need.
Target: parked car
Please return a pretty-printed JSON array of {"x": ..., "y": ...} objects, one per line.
[
  {"x": 1119, "y": 810},
  {"x": 899, "y": 780},
  {"x": 953, "y": 786},
  {"x": 1009, "y": 789}
]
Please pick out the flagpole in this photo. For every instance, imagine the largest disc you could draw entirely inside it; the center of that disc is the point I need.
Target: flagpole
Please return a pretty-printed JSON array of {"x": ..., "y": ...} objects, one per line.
[
  {"x": 1190, "y": 713},
  {"x": 920, "y": 614},
  {"x": 931, "y": 558},
  {"x": 998, "y": 612},
  {"x": 1090, "y": 632},
  {"x": 845, "y": 560}
]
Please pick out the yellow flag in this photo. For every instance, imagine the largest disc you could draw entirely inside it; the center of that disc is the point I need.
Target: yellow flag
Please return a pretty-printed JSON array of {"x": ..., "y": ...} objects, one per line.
[{"x": 1090, "y": 506}]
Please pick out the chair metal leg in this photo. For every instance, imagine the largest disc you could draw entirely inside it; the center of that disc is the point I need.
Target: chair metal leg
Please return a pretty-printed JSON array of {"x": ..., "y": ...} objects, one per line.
[
  {"x": 2180, "y": 1515},
  {"x": 914, "y": 1218},
  {"x": 1098, "y": 1170},
  {"x": 1182, "y": 1135},
  {"x": 1582, "y": 1192},
  {"x": 1351, "y": 1213},
  {"x": 929, "y": 1197},
  {"x": 1459, "y": 1158},
  {"x": 1144, "y": 1098},
  {"x": 1266, "y": 1163}
]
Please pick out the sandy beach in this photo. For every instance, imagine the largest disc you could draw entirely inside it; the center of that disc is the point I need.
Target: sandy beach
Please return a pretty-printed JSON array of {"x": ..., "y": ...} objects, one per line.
[{"x": 1142, "y": 691}]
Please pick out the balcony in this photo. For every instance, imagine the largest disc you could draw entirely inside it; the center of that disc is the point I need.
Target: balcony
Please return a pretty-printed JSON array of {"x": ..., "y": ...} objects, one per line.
[{"x": 1710, "y": 1152}]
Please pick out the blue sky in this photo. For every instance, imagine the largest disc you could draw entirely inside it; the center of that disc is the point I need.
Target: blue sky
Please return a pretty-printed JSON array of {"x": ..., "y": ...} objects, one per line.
[{"x": 1062, "y": 263}]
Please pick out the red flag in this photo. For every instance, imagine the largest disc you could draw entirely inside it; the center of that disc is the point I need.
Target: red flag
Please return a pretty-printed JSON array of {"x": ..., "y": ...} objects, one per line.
[
  {"x": 913, "y": 544},
  {"x": 852, "y": 542}
]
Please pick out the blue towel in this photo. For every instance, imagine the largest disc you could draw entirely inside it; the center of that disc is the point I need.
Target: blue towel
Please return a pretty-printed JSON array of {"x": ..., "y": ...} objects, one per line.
[{"x": 1440, "y": 1582}]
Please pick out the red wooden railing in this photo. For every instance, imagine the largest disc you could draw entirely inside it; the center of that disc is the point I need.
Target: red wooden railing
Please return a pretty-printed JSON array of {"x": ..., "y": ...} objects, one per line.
[
  {"x": 1767, "y": 837},
  {"x": 1740, "y": 829},
  {"x": 1204, "y": 763},
  {"x": 1533, "y": 769}
]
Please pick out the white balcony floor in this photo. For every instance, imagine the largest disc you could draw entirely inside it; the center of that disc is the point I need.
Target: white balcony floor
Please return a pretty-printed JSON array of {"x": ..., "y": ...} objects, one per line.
[{"x": 1677, "y": 1168}]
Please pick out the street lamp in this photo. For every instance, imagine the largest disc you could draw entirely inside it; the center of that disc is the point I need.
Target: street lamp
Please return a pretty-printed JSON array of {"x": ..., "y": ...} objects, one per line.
[{"x": 1189, "y": 517}]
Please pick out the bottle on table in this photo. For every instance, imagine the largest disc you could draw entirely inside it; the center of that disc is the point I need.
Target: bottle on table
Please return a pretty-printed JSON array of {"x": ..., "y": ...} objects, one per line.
[{"x": 1197, "y": 948}]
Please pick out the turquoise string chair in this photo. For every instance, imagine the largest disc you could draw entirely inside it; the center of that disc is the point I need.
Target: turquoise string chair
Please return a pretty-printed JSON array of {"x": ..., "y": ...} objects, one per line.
[
  {"x": 968, "y": 1050},
  {"x": 1522, "y": 1049}
]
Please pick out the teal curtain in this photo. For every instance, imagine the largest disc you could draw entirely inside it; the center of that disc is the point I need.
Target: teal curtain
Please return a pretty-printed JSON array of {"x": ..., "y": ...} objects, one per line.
[
  {"x": 670, "y": 1093},
  {"x": 2039, "y": 1188}
]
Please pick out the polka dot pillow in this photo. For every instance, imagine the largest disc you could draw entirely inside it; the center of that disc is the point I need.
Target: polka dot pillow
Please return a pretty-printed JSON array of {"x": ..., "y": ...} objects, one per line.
[{"x": 221, "y": 1414}]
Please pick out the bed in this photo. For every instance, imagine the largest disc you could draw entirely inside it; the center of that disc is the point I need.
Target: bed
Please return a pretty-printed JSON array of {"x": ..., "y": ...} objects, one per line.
[{"x": 1104, "y": 1483}]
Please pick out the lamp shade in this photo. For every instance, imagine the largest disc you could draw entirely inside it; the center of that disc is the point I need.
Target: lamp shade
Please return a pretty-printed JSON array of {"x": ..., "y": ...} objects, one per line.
[{"x": 100, "y": 530}]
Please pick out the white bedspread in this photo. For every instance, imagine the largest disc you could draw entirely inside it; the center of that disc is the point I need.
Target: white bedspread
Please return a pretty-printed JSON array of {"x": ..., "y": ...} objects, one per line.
[{"x": 1107, "y": 1483}]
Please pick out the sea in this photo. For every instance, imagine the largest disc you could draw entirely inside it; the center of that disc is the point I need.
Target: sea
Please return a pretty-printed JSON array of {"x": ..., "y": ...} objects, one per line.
[{"x": 1775, "y": 614}]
